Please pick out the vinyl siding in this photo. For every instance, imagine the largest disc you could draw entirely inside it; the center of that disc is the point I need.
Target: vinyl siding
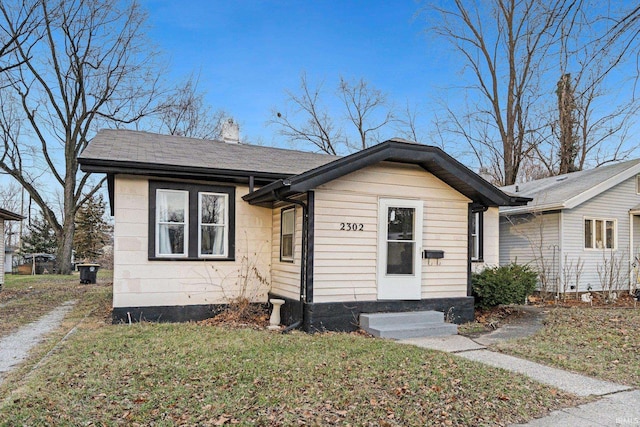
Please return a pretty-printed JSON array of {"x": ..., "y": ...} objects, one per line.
[
  {"x": 140, "y": 282},
  {"x": 285, "y": 275},
  {"x": 635, "y": 276},
  {"x": 2, "y": 252},
  {"x": 345, "y": 262},
  {"x": 612, "y": 204},
  {"x": 532, "y": 240}
]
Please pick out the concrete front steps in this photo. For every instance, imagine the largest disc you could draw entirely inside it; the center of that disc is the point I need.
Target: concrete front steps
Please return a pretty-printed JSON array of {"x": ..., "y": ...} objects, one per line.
[{"x": 412, "y": 324}]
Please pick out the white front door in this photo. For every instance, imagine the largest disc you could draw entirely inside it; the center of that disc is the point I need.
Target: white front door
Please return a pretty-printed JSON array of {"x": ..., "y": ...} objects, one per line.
[{"x": 399, "y": 248}]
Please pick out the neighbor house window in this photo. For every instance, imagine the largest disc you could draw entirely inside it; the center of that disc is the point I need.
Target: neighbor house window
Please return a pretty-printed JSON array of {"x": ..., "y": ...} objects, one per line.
[
  {"x": 287, "y": 230},
  {"x": 191, "y": 221},
  {"x": 599, "y": 233},
  {"x": 476, "y": 236},
  {"x": 637, "y": 184}
]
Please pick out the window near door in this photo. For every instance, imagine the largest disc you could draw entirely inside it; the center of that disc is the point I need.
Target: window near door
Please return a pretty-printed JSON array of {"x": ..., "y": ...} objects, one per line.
[
  {"x": 287, "y": 231},
  {"x": 476, "y": 236},
  {"x": 191, "y": 221},
  {"x": 599, "y": 233}
]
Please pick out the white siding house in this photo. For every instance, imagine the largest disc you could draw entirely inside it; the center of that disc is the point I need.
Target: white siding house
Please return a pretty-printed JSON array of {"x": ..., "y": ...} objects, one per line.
[
  {"x": 587, "y": 218},
  {"x": 199, "y": 223},
  {"x": 5, "y": 215}
]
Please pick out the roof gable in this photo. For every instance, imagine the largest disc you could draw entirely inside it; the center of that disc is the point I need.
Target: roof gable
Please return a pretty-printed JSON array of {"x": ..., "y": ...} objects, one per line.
[
  {"x": 571, "y": 190},
  {"x": 430, "y": 158}
]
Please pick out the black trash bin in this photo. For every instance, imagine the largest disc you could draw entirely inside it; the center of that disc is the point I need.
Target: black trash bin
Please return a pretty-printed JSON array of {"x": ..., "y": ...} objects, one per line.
[{"x": 88, "y": 273}]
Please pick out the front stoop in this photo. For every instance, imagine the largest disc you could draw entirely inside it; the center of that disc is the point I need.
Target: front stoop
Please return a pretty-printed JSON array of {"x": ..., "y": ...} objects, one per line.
[{"x": 412, "y": 324}]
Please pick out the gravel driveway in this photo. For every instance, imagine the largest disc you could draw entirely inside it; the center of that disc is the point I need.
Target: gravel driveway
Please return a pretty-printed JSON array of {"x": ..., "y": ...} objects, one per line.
[{"x": 15, "y": 348}]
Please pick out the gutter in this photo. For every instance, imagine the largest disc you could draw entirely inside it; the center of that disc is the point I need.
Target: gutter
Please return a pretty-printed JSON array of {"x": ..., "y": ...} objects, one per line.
[{"x": 303, "y": 257}]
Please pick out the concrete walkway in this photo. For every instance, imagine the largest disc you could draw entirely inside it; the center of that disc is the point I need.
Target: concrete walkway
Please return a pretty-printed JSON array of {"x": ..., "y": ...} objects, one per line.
[
  {"x": 15, "y": 348},
  {"x": 619, "y": 405}
]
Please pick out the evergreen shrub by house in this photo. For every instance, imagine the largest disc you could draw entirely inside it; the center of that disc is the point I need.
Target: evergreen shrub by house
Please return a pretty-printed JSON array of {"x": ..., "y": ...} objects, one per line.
[{"x": 509, "y": 284}]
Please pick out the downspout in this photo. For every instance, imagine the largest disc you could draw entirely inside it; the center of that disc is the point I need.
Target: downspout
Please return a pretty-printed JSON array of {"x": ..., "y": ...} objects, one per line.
[{"x": 303, "y": 258}]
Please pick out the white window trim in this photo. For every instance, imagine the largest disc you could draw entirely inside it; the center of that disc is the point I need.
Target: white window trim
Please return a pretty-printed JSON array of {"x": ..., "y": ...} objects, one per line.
[
  {"x": 638, "y": 184},
  {"x": 293, "y": 235},
  {"x": 185, "y": 224},
  {"x": 225, "y": 226},
  {"x": 593, "y": 233}
]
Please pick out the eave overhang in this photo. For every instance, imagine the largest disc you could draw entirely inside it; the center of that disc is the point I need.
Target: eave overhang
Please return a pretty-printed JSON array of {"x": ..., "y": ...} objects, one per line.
[
  {"x": 430, "y": 158},
  {"x": 177, "y": 171},
  {"x": 10, "y": 216}
]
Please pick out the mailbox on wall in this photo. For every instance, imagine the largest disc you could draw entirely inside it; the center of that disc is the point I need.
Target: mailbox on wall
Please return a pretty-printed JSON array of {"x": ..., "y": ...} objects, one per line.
[{"x": 432, "y": 254}]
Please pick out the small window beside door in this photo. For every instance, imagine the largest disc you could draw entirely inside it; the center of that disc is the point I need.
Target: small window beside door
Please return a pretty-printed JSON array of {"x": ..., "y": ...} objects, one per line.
[
  {"x": 476, "y": 227},
  {"x": 287, "y": 234}
]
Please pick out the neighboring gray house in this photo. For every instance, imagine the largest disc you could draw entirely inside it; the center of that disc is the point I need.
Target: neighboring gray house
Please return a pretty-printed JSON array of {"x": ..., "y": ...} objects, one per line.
[{"x": 589, "y": 218}]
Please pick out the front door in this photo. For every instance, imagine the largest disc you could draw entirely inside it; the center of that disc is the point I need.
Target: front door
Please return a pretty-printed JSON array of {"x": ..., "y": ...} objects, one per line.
[{"x": 399, "y": 249}]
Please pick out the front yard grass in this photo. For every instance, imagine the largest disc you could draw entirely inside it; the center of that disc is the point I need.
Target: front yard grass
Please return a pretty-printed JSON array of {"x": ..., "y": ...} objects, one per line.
[
  {"x": 26, "y": 298},
  {"x": 192, "y": 374},
  {"x": 602, "y": 343}
]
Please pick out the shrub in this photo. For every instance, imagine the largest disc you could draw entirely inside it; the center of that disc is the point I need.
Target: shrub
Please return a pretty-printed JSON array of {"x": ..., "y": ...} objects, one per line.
[{"x": 509, "y": 284}]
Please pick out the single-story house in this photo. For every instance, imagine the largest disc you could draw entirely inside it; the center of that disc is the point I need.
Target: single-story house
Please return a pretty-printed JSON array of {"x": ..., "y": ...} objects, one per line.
[
  {"x": 581, "y": 231},
  {"x": 5, "y": 215},
  {"x": 199, "y": 223}
]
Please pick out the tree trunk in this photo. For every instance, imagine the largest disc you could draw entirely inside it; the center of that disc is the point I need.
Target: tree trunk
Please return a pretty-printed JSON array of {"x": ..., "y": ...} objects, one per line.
[{"x": 65, "y": 247}]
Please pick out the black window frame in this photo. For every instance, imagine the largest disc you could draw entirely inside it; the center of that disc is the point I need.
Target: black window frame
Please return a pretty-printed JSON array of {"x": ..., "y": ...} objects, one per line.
[
  {"x": 293, "y": 235},
  {"x": 193, "y": 252}
]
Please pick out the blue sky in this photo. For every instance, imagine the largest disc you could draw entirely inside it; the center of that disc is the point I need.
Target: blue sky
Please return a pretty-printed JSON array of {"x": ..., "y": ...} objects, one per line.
[{"x": 248, "y": 53}]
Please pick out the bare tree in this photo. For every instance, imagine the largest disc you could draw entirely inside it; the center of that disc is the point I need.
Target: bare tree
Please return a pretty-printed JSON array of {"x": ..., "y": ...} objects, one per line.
[
  {"x": 185, "y": 113},
  {"x": 366, "y": 112},
  {"x": 316, "y": 127},
  {"x": 16, "y": 26},
  {"x": 87, "y": 65},
  {"x": 593, "y": 116},
  {"x": 503, "y": 44},
  {"x": 567, "y": 125},
  {"x": 407, "y": 123},
  {"x": 11, "y": 200},
  {"x": 363, "y": 104}
]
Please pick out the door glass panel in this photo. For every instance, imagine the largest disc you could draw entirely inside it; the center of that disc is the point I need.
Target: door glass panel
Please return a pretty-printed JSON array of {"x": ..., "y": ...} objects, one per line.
[
  {"x": 400, "y": 244},
  {"x": 400, "y": 257},
  {"x": 400, "y": 223}
]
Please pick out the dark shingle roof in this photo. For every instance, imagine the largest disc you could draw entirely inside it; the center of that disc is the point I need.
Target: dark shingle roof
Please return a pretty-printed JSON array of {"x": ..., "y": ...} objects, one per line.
[{"x": 134, "y": 148}]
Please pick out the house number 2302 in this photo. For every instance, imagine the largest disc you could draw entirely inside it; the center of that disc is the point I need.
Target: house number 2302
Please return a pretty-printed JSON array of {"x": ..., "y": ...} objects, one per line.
[{"x": 351, "y": 226}]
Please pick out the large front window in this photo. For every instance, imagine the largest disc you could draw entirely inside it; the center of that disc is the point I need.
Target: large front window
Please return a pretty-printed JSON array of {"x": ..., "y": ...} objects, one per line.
[
  {"x": 171, "y": 222},
  {"x": 190, "y": 221},
  {"x": 599, "y": 233},
  {"x": 213, "y": 224}
]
